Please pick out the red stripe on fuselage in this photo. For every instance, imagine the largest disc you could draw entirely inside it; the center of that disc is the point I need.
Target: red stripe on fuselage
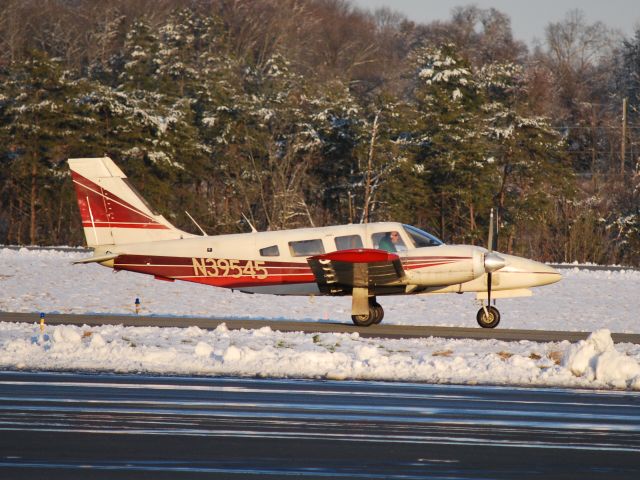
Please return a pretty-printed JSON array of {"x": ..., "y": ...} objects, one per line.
[
  {"x": 412, "y": 263},
  {"x": 425, "y": 265},
  {"x": 242, "y": 282},
  {"x": 243, "y": 273},
  {"x": 438, "y": 257}
]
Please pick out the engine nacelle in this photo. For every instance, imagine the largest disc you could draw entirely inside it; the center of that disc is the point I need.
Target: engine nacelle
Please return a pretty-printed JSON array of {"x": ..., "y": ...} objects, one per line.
[{"x": 443, "y": 265}]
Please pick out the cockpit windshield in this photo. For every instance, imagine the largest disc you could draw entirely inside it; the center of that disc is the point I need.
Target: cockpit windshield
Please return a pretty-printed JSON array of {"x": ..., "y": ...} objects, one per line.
[{"x": 421, "y": 238}]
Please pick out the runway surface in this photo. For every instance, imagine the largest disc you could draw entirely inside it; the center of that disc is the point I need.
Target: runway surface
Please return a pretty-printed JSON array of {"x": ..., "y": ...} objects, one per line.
[
  {"x": 67, "y": 426},
  {"x": 375, "y": 331}
]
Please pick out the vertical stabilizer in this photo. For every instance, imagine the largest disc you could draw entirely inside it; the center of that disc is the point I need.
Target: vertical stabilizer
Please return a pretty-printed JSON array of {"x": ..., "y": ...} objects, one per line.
[{"x": 112, "y": 211}]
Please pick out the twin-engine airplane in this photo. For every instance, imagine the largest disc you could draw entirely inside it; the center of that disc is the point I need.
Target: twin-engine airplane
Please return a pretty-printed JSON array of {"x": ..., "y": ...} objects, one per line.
[{"x": 365, "y": 261}]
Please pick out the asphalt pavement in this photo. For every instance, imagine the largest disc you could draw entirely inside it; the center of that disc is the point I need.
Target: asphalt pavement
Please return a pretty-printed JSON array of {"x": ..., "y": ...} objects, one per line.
[
  {"x": 109, "y": 426},
  {"x": 374, "y": 331}
]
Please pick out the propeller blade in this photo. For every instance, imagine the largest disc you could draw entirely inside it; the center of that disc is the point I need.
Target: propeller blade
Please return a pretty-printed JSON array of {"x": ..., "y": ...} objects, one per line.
[
  {"x": 490, "y": 240},
  {"x": 492, "y": 261}
]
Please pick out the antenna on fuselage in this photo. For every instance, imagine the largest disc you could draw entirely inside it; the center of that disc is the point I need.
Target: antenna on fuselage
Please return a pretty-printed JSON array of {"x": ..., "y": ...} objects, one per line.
[
  {"x": 253, "y": 229},
  {"x": 196, "y": 224}
]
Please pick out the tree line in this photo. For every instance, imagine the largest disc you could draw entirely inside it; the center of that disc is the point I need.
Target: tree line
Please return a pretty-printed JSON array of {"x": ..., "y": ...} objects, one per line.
[{"x": 305, "y": 113}]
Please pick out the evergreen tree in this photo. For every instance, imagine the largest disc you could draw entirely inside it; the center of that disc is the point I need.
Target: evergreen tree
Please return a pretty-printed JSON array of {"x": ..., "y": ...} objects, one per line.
[
  {"x": 336, "y": 117},
  {"x": 279, "y": 146},
  {"x": 451, "y": 152},
  {"x": 526, "y": 162},
  {"x": 382, "y": 160},
  {"x": 39, "y": 121},
  {"x": 144, "y": 120}
]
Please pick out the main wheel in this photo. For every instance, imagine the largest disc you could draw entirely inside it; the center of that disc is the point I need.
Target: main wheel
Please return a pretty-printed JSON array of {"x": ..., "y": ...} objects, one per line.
[
  {"x": 379, "y": 313},
  {"x": 366, "y": 319},
  {"x": 375, "y": 315},
  {"x": 488, "y": 321}
]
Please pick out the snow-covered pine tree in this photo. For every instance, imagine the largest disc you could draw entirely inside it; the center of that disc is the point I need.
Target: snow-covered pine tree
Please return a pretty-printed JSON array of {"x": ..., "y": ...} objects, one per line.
[
  {"x": 451, "y": 151},
  {"x": 525, "y": 163},
  {"x": 39, "y": 122}
]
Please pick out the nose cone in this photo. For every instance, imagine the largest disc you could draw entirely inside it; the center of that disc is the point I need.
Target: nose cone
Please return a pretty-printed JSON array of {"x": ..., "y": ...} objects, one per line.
[{"x": 545, "y": 275}]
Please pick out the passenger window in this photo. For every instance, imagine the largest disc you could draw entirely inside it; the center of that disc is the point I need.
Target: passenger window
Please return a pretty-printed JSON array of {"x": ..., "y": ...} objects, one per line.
[
  {"x": 348, "y": 242},
  {"x": 389, "y": 241},
  {"x": 306, "y": 248},
  {"x": 271, "y": 251}
]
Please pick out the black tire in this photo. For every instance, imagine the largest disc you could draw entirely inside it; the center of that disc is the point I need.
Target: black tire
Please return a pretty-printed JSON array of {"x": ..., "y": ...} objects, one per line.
[
  {"x": 365, "y": 320},
  {"x": 490, "y": 321},
  {"x": 379, "y": 313}
]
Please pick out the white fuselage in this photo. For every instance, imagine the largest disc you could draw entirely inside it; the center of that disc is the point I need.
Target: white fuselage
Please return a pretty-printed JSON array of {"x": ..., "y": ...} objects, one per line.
[{"x": 276, "y": 262}]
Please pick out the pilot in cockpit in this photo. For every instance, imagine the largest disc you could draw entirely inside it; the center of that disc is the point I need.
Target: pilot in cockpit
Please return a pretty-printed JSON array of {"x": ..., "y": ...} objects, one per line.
[{"x": 392, "y": 242}]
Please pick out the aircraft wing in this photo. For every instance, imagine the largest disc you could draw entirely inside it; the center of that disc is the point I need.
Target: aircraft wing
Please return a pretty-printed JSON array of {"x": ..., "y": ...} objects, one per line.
[{"x": 339, "y": 272}]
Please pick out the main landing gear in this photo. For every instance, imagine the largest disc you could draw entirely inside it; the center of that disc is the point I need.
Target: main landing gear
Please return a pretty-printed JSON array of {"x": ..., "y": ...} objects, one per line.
[
  {"x": 372, "y": 317},
  {"x": 488, "y": 317}
]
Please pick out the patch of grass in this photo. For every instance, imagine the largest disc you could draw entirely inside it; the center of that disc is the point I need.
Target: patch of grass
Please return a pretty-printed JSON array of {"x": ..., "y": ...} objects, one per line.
[
  {"x": 442, "y": 353},
  {"x": 318, "y": 341},
  {"x": 555, "y": 356},
  {"x": 535, "y": 356},
  {"x": 283, "y": 344},
  {"x": 505, "y": 355}
]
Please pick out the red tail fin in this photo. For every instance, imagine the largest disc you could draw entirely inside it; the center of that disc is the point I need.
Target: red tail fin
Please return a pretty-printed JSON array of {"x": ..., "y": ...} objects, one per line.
[{"x": 112, "y": 211}]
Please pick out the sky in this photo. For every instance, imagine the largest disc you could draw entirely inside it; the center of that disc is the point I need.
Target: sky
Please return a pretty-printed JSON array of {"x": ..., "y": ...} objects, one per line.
[{"x": 528, "y": 18}]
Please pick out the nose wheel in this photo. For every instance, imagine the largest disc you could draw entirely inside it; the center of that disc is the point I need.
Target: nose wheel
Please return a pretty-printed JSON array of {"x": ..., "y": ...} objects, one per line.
[{"x": 488, "y": 317}]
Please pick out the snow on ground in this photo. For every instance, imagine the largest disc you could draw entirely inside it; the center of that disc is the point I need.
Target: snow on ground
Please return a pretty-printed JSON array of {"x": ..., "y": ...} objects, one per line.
[{"x": 35, "y": 281}]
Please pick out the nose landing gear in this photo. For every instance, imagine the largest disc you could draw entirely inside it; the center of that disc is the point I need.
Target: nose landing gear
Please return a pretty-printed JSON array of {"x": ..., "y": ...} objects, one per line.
[{"x": 488, "y": 317}]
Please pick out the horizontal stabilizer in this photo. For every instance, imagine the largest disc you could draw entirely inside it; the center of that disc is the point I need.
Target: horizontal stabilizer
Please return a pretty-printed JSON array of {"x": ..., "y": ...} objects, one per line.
[{"x": 100, "y": 258}]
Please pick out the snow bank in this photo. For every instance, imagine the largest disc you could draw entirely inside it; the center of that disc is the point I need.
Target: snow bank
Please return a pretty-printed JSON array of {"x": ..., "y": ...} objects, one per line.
[
  {"x": 597, "y": 360},
  {"x": 593, "y": 363}
]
